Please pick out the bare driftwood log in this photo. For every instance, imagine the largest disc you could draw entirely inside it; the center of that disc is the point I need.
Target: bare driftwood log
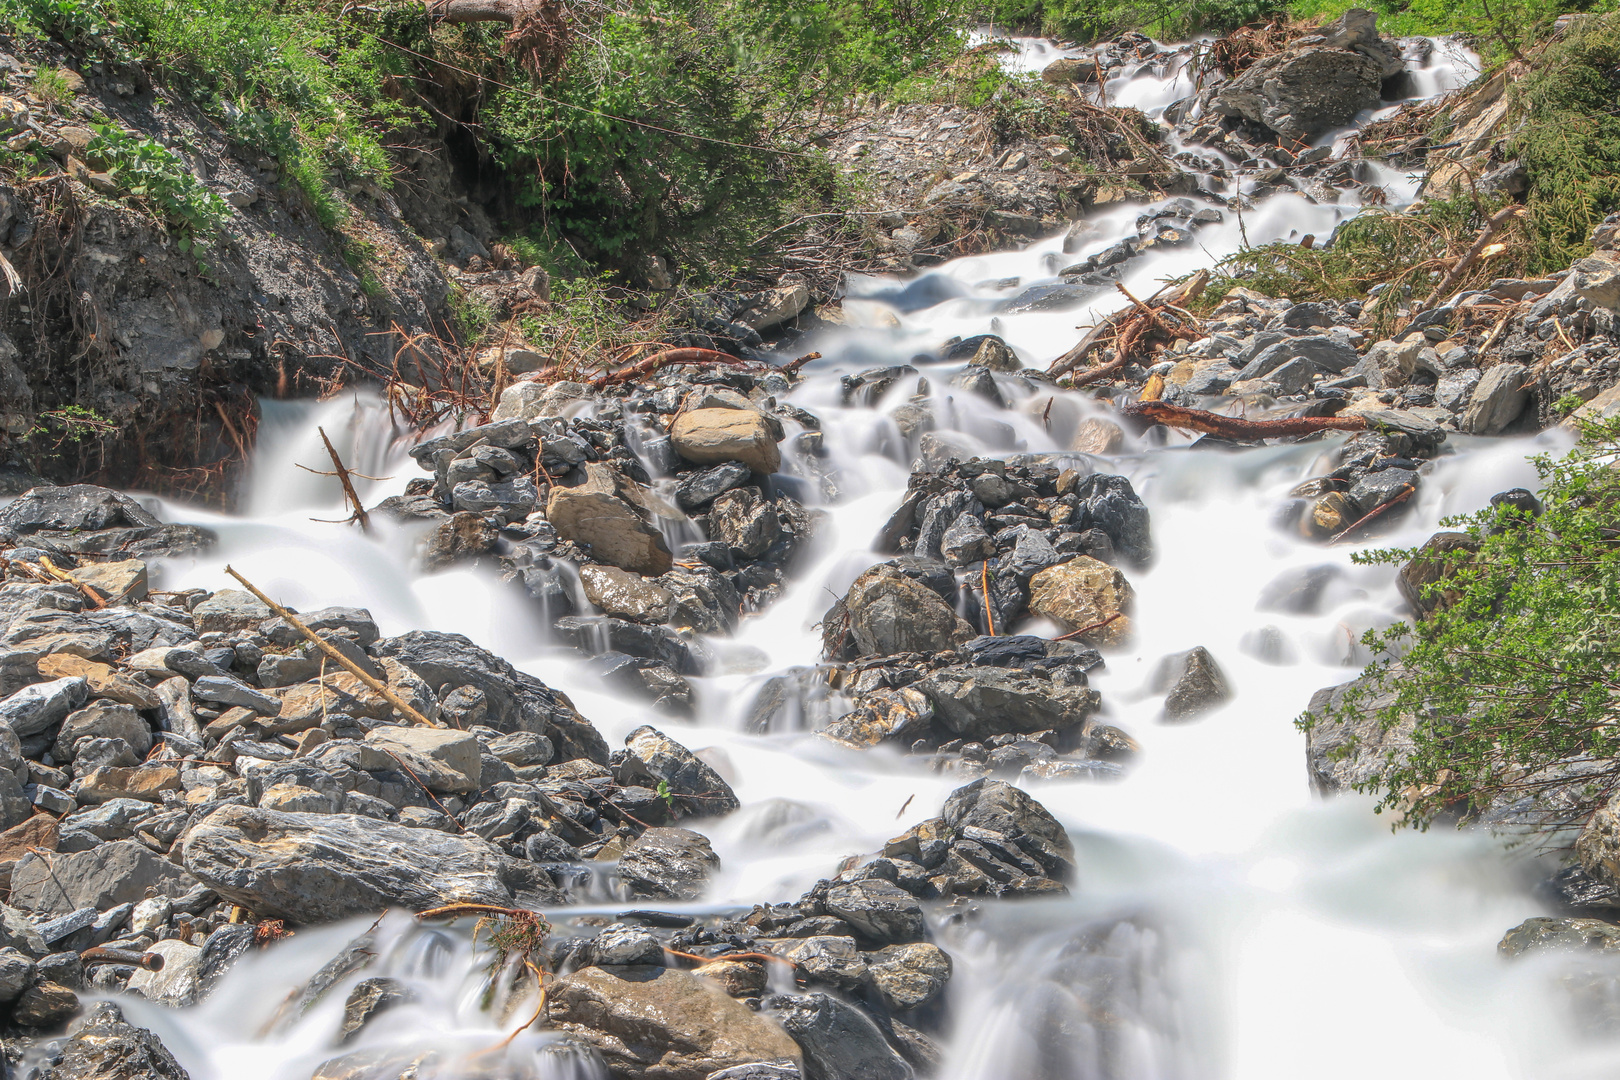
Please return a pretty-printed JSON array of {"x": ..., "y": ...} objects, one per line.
[
  {"x": 470, "y": 11},
  {"x": 1235, "y": 427}
]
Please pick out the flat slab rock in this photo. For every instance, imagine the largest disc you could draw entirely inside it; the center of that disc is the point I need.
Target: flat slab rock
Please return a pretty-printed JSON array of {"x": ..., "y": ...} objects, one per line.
[
  {"x": 318, "y": 868},
  {"x": 657, "y": 1023}
]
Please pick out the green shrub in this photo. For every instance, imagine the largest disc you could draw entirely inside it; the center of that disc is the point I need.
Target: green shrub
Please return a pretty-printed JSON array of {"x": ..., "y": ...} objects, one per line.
[
  {"x": 1514, "y": 678},
  {"x": 1569, "y": 141},
  {"x": 159, "y": 179}
]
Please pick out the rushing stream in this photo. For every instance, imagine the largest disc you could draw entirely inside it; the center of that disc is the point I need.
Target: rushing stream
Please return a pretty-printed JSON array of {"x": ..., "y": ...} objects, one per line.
[{"x": 1224, "y": 921}]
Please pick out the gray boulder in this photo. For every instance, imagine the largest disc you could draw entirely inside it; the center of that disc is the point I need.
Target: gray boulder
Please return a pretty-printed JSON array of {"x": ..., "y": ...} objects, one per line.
[
  {"x": 891, "y": 613},
  {"x": 106, "y": 1047},
  {"x": 979, "y": 702},
  {"x": 839, "y": 1041},
  {"x": 668, "y": 864},
  {"x": 696, "y": 790},
  {"x": 1192, "y": 683},
  {"x": 317, "y": 868},
  {"x": 1302, "y": 93},
  {"x": 119, "y": 872}
]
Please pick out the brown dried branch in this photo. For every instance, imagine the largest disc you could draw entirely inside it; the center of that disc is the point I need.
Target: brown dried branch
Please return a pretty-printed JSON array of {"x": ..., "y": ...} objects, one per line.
[{"x": 1234, "y": 427}]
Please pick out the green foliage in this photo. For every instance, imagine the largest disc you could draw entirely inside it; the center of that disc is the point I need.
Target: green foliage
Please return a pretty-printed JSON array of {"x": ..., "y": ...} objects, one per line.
[
  {"x": 51, "y": 87},
  {"x": 294, "y": 79},
  {"x": 1091, "y": 20},
  {"x": 158, "y": 179},
  {"x": 1513, "y": 680},
  {"x": 685, "y": 125},
  {"x": 1570, "y": 140},
  {"x": 1404, "y": 252},
  {"x": 71, "y": 424}
]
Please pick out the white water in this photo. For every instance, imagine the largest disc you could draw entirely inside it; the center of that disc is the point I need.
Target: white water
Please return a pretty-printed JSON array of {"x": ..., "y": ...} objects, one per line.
[{"x": 1274, "y": 935}]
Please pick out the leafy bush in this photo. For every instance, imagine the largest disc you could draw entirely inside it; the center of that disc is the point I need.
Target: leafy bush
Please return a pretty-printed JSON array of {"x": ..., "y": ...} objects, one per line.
[
  {"x": 158, "y": 179},
  {"x": 685, "y": 126},
  {"x": 1512, "y": 681}
]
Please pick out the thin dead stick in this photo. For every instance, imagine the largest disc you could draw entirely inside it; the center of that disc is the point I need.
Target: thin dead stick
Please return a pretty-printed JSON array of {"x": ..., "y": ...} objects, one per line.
[
  {"x": 342, "y": 661},
  {"x": 412, "y": 774},
  {"x": 1406, "y": 493},
  {"x": 989, "y": 611},
  {"x": 62, "y": 575},
  {"x": 1100, "y": 372},
  {"x": 793, "y": 366},
  {"x": 360, "y": 514},
  {"x": 1089, "y": 629}
]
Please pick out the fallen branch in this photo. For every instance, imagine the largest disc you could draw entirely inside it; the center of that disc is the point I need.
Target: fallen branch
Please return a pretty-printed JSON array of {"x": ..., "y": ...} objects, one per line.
[
  {"x": 1406, "y": 493},
  {"x": 1233, "y": 427},
  {"x": 1099, "y": 373},
  {"x": 61, "y": 575},
  {"x": 342, "y": 661},
  {"x": 410, "y": 772},
  {"x": 733, "y": 956},
  {"x": 456, "y": 911},
  {"x": 360, "y": 514},
  {"x": 793, "y": 366},
  {"x": 666, "y": 358},
  {"x": 1471, "y": 256}
]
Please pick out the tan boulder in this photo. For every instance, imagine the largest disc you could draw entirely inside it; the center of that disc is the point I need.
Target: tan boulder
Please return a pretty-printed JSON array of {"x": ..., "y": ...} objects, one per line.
[
  {"x": 1081, "y": 593},
  {"x": 606, "y": 515},
  {"x": 711, "y": 436},
  {"x": 656, "y": 1023}
]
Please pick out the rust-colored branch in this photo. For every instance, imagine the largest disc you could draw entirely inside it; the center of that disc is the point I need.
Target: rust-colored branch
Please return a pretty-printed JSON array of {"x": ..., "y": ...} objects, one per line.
[
  {"x": 1406, "y": 493},
  {"x": 456, "y": 911},
  {"x": 1234, "y": 427},
  {"x": 1089, "y": 629}
]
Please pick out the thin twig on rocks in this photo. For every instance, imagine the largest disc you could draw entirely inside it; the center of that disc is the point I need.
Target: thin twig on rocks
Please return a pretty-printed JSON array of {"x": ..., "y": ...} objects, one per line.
[
  {"x": 412, "y": 774},
  {"x": 342, "y": 473},
  {"x": 1406, "y": 493},
  {"x": 1089, "y": 629},
  {"x": 405, "y": 708}
]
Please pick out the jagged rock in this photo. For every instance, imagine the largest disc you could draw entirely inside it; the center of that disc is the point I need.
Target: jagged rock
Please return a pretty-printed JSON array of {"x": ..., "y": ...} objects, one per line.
[
  {"x": 1340, "y": 753},
  {"x": 1537, "y": 935},
  {"x": 1497, "y": 401},
  {"x": 1430, "y": 565},
  {"x": 369, "y": 999},
  {"x": 711, "y": 436},
  {"x": 604, "y": 516},
  {"x": 1002, "y": 809},
  {"x": 1070, "y": 69},
  {"x": 881, "y": 714},
  {"x": 746, "y": 522},
  {"x": 652, "y": 758},
  {"x": 1302, "y": 93},
  {"x": 459, "y": 538},
  {"x": 311, "y": 869},
  {"x": 668, "y": 864},
  {"x": 909, "y": 976},
  {"x": 979, "y": 702},
  {"x": 515, "y": 701},
  {"x": 73, "y": 508},
  {"x": 46, "y": 1005},
  {"x": 1192, "y": 682},
  {"x": 624, "y": 595},
  {"x": 175, "y": 984},
  {"x": 228, "y": 610},
  {"x": 17, "y": 973},
  {"x": 881, "y": 912},
  {"x": 106, "y": 1047},
  {"x": 1084, "y": 592},
  {"x": 658, "y": 1023},
  {"x": 34, "y": 709},
  {"x": 890, "y": 613},
  {"x": 458, "y": 752},
  {"x": 838, "y": 1040},
  {"x": 696, "y": 489}
]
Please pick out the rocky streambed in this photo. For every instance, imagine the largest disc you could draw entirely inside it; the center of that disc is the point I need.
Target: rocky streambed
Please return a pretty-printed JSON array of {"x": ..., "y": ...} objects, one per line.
[{"x": 901, "y": 713}]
